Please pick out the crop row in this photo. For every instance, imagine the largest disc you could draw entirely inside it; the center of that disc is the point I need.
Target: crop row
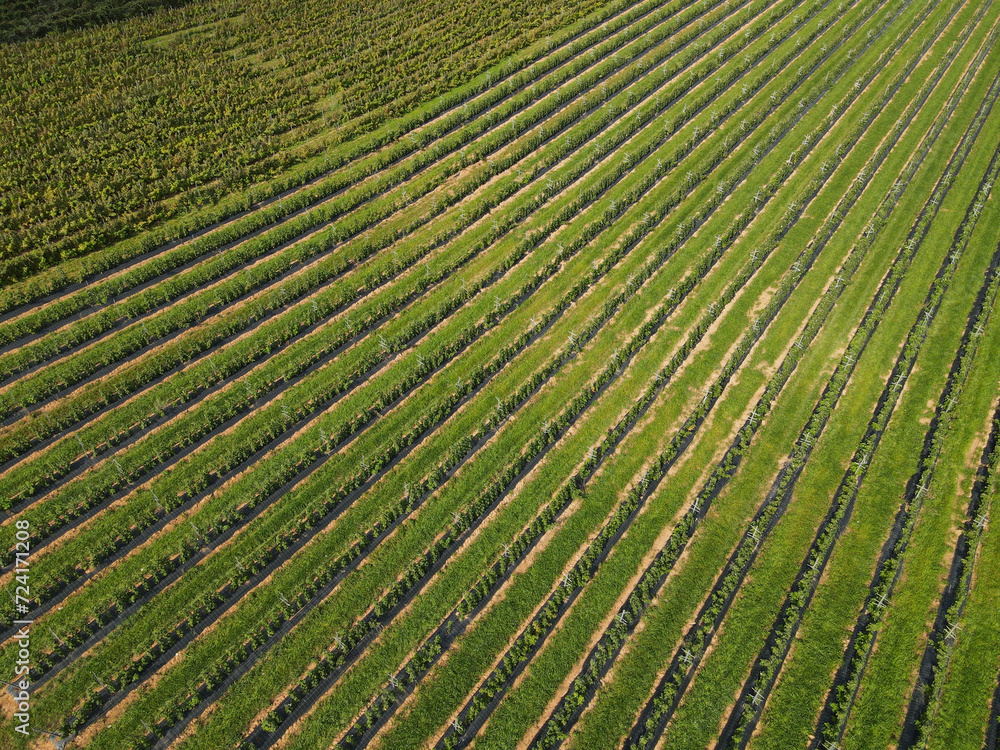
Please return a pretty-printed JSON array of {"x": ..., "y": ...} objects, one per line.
[
  {"x": 266, "y": 114},
  {"x": 766, "y": 667},
  {"x": 384, "y": 150},
  {"x": 71, "y": 446},
  {"x": 362, "y": 194},
  {"x": 540, "y": 523},
  {"x": 387, "y": 145},
  {"x": 925, "y": 703},
  {"x": 709, "y": 618},
  {"x": 490, "y": 693},
  {"x": 889, "y": 569},
  {"x": 696, "y": 642}
]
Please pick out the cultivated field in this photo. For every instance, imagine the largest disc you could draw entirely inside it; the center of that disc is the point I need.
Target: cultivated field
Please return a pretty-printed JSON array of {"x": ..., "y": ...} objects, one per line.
[{"x": 616, "y": 375}]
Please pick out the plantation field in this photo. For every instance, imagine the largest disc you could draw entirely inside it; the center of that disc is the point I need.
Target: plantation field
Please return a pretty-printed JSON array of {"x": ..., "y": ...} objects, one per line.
[{"x": 602, "y": 374}]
